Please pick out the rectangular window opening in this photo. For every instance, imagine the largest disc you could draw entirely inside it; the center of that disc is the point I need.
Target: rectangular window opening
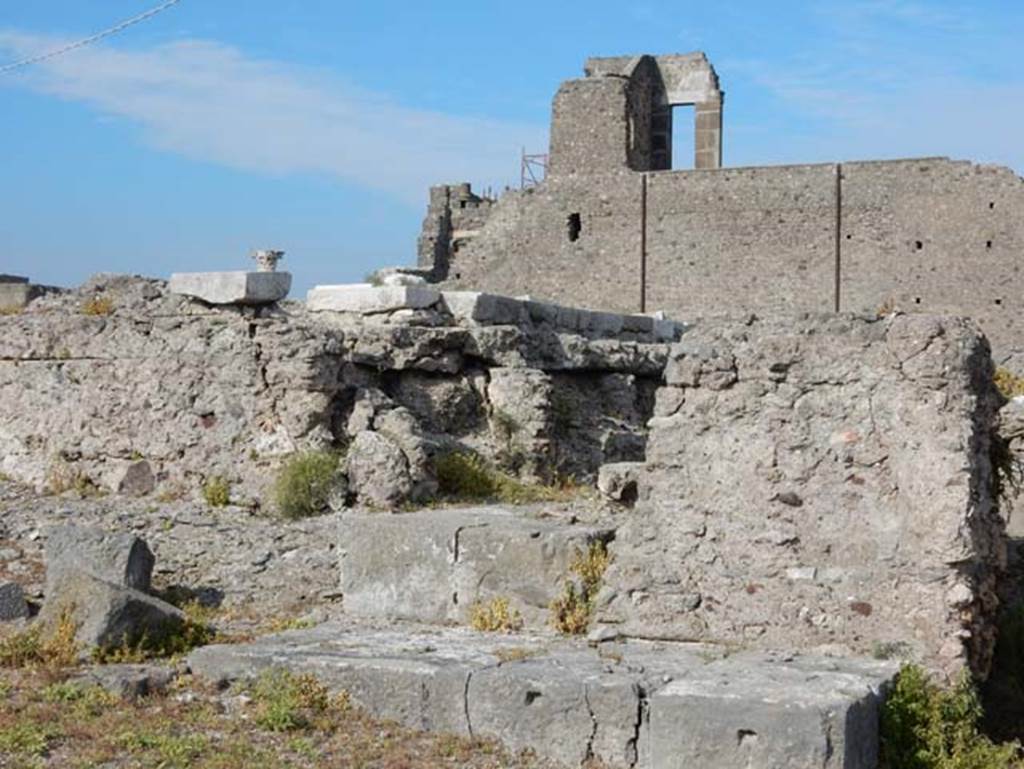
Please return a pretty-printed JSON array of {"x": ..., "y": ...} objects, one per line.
[{"x": 683, "y": 130}]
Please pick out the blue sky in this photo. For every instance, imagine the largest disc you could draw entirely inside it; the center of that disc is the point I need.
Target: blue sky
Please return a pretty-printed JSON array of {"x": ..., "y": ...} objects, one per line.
[{"x": 315, "y": 126}]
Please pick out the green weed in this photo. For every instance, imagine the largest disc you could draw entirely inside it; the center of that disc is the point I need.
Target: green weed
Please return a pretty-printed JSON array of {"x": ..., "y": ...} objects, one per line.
[
  {"x": 303, "y": 487},
  {"x": 924, "y": 726}
]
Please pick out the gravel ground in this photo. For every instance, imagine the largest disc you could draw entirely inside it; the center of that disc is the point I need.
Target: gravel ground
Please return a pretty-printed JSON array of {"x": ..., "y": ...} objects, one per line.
[{"x": 250, "y": 566}]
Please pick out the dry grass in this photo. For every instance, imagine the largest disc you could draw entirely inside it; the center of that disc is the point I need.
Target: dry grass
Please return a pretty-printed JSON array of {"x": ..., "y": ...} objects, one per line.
[
  {"x": 495, "y": 616},
  {"x": 293, "y": 723},
  {"x": 52, "y": 649},
  {"x": 571, "y": 612},
  {"x": 98, "y": 306},
  {"x": 468, "y": 477},
  {"x": 1009, "y": 384}
]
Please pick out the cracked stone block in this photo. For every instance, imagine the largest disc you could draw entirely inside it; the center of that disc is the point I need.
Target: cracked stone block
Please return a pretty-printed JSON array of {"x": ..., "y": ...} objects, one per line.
[
  {"x": 235, "y": 287},
  {"x": 365, "y": 299},
  {"x": 744, "y": 712},
  {"x": 432, "y": 565}
]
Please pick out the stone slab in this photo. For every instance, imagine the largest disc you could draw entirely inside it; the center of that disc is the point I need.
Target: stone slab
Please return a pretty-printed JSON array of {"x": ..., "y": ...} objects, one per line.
[
  {"x": 487, "y": 309},
  {"x": 432, "y": 565},
  {"x": 570, "y": 702},
  {"x": 365, "y": 299},
  {"x": 235, "y": 287}
]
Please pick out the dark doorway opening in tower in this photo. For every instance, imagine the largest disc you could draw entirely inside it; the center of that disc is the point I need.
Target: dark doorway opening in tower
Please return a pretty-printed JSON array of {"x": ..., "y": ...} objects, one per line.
[{"x": 682, "y": 137}]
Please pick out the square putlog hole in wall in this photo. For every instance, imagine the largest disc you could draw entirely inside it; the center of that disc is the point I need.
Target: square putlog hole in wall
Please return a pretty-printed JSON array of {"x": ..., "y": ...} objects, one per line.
[{"x": 575, "y": 226}]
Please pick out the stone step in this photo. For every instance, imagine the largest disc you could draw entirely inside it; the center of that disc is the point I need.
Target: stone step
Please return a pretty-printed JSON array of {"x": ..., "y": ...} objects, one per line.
[
  {"x": 434, "y": 565},
  {"x": 628, "y": 704}
]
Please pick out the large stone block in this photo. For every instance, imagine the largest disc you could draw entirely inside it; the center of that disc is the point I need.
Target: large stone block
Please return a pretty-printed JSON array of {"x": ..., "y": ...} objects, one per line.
[
  {"x": 486, "y": 309},
  {"x": 14, "y": 295},
  {"x": 798, "y": 469},
  {"x": 364, "y": 299},
  {"x": 629, "y": 704},
  {"x": 238, "y": 287},
  {"x": 433, "y": 565},
  {"x": 108, "y": 615},
  {"x": 121, "y": 559},
  {"x": 747, "y": 712}
]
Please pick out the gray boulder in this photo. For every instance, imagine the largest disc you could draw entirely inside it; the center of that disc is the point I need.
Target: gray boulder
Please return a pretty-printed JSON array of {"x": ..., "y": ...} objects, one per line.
[
  {"x": 12, "y": 602},
  {"x": 378, "y": 472},
  {"x": 123, "y": 560},
  {"x": 138, "y": 479},
  {"x": 108, "y": 615},
  {"x": 619, "y": 481}
]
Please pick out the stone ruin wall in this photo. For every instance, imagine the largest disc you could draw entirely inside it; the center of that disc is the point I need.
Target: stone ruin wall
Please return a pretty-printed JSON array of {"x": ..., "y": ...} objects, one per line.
[
  {"x": 818, "y": 482},
  {"x": 929, "y": 235},
  {"x": 811, "y": 482},
  {"x": 164, "y": 394}
]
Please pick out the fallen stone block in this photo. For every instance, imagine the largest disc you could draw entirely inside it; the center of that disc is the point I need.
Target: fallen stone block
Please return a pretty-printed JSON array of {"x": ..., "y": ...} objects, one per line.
[
  {"x": 486, "y": 309},
  {"x": 364, "y": 299},
  {"x": 13, "y": 605},
  {"x": 235, "y": 287},
  {"x": 123, "y": 560},
  {"x": 749, "y": 712},
  {"x": 108, "y": 615},
  {"x": 433, "y": 565}
]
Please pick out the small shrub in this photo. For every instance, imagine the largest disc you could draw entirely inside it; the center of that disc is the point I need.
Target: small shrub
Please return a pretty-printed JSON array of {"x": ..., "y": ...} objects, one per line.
[
  {"x": 303, "y": 487},
  {"x": 1010, "y": 385},
  {"x": 495, "y": 616},
  {"x": 10, "y": 309},
  {"x": 285, "y": 701},
  {"x": 570, "y": 613},
  {"x": 174, "y": 640},
  {"x": 31, "y": 648},
  {"x": 171, "y": 750},
  {"x": 25, "y": 739},
  {"x": 467, "y": 477},
  {"x": 217, "y": 491},
  {"x": 98, "y": 306},
  {"x": 924, "y": 726}
]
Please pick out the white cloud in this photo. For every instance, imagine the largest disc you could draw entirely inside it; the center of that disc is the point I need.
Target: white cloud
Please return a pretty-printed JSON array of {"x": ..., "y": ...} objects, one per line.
[{"x": 211, "y": 102}]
